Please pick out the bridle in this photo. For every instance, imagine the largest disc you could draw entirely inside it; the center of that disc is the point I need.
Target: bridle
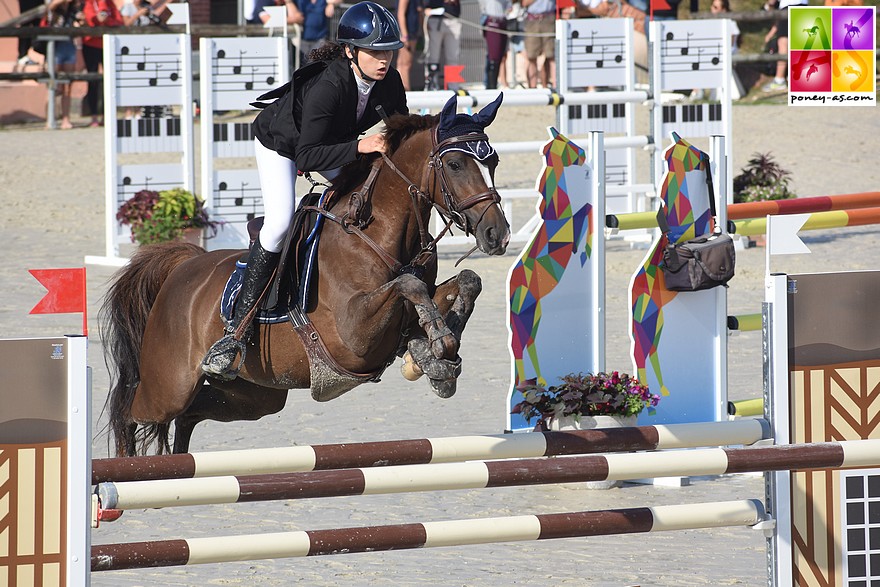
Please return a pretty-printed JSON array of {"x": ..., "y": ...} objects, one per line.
[{"x": 451, "y": 210}]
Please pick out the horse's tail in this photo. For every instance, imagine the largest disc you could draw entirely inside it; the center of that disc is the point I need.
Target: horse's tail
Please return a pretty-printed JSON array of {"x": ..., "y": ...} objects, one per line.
[{"x": 122, "y": 321}]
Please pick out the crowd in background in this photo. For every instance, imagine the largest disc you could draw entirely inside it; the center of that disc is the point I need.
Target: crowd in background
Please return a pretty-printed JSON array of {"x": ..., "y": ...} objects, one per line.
[
  {"x": 76, "y": 53},
  {"x": 518, "y": 35}
]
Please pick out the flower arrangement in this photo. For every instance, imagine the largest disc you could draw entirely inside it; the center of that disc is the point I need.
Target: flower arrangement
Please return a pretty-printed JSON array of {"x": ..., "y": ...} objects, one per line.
[
  {"x": 761, "y": 179},
  {"x": 608, "y": 394},
  {"x": 156, "y": 217}
]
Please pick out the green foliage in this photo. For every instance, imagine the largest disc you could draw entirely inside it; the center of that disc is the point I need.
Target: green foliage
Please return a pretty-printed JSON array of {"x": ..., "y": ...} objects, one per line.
[
  {"x": 602, "y": 394},
  {"x": 156, "y": 217},
  {"x": 761, "y": 179}
]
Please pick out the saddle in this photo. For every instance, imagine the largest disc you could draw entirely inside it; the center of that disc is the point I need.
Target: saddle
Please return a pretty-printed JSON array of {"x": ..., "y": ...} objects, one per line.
[{"x": 290, "y": 288}]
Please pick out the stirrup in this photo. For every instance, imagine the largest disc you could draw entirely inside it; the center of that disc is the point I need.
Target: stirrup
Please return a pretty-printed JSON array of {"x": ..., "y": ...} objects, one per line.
[{"x": 221, "y": 356}]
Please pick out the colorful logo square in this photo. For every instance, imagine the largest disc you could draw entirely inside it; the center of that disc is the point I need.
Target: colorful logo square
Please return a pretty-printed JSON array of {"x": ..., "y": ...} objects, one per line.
[
  {"x": 809, "y": 29},
  {"x": 810, "y": 71},
  {"x": 852, "y": 29},
  {"x": 852, "y": 71},
  {"x": 832, "y": 56}
]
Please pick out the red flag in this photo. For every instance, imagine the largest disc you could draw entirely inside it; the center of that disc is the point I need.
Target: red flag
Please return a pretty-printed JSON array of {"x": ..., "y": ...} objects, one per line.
[
  {"x": 452, "y": 75},
  {"x": 67, "y": 292},
  {"x": 659, "y": 5}
]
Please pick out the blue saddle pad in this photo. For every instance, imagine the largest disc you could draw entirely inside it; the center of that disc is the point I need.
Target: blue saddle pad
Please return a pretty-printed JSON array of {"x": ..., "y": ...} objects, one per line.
[
  {"x": 306, "y": 265},
  {"x": 230, "y": 294}
]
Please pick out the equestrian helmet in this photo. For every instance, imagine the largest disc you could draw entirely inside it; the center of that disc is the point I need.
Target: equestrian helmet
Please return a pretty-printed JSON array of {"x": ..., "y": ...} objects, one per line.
[{"x": 368, "y": 25}]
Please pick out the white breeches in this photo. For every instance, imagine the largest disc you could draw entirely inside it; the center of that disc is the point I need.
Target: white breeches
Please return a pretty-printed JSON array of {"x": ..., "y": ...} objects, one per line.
[{"x": 278, "y": 187}]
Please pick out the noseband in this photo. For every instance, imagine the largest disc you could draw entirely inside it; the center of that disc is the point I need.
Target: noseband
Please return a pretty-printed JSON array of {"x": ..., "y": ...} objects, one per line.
[{"x": 454, "y": 209}]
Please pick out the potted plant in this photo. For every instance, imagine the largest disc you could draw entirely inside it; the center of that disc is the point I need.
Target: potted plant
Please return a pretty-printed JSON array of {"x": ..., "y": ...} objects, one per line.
[
  {"x": 583, "y": 401},
  {"x": 582, "y": 396},
  {"x": 761, "y": 179},
  {"x": 156, "y": 217}
]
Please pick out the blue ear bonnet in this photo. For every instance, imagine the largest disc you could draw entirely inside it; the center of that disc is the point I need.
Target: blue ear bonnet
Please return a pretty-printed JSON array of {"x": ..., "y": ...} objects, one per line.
[{"x": 457, "y": 125}]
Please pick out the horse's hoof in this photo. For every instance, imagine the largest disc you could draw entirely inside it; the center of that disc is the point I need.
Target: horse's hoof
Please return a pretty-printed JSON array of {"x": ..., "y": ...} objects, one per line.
[
  {"x": 443, "y": 376},
  {"x": 445, "y": 388},
  {"x": 409, "y": 369}
]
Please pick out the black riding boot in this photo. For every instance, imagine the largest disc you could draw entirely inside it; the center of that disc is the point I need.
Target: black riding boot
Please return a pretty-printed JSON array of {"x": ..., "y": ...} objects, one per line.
[
  {"x": 221, "y": 356},
  {"x": 492, "y": 70}
]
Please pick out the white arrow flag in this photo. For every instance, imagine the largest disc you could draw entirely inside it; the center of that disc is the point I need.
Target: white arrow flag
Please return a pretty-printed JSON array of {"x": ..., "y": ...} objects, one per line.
[
  {"x": 277, "y": 16},
  {"x": 782, "y": 234},
  {"x": 179, "y": 13}
]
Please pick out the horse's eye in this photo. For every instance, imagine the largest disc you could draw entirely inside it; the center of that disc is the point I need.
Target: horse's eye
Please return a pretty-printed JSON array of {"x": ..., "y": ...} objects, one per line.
[{"x": 454, "y": 165}]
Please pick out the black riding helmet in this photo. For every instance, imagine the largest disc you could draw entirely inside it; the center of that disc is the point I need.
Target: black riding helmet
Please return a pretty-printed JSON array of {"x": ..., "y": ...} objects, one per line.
[{"x": 367, "y": 25}]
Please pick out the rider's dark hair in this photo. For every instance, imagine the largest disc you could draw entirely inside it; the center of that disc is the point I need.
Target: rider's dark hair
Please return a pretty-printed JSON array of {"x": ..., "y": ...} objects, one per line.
[{"x": 329, "y": 51}]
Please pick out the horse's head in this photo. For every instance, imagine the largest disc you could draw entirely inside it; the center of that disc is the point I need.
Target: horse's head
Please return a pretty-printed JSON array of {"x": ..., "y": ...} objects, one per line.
[{"x": 464, "y": 166}]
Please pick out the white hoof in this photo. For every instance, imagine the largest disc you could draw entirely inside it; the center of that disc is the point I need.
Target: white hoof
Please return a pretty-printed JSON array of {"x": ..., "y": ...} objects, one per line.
[{"x": 409, "y": 369}]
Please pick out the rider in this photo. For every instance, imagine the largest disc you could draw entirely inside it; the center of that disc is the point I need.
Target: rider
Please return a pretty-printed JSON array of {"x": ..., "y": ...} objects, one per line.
[{"x": 313, "y": 125}]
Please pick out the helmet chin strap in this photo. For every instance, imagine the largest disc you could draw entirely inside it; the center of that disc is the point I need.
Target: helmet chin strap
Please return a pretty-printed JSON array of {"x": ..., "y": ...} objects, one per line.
[{"x": 354, "y": 52}]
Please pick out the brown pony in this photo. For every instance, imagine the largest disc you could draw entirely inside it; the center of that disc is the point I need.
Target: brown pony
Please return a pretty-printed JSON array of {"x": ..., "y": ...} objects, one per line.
[{"x": 374, "y": 296}]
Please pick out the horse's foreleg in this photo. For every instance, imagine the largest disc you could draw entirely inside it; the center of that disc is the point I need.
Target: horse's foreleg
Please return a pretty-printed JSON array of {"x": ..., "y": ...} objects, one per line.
[
  {"x": 237, "y": 400},
  {"x": 455, "y": 301},
  {"x": 368, "y": 316}
]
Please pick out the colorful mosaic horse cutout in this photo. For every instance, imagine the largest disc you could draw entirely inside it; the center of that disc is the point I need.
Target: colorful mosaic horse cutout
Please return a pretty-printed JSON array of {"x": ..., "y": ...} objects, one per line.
[
  {"x": 540, "y": 290},
  {"x": 685, "y": 196}
]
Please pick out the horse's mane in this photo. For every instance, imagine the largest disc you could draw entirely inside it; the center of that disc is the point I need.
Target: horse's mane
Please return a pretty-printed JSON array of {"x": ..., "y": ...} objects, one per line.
[{"x": 398, "y": 128}]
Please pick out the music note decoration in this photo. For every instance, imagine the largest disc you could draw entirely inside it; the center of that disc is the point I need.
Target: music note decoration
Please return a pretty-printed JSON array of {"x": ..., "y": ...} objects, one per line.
[
  {"x": 248, "y": 70},
  {"x": 150, "y": 68},
  {"x": 596, "y": 54},
  {"x": 687, "y": 54},
  {"x": 237, "y": 198}
]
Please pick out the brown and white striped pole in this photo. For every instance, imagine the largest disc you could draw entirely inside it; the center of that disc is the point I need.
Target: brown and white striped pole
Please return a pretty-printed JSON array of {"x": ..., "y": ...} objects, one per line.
[
  {"x": 477, "y": 475},
  {"x": 164, "y": 553},
  {"x": 428, "y": 450}
]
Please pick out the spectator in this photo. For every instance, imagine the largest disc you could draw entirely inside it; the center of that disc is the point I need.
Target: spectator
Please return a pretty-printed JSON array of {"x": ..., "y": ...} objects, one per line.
[
  {"x": 721, "y": 7},
  {"x": 409, "y": 16},
  {"x": 97, "y": 13},
  {"x": 313, "y": 16},
  {"x": 442, "y": 35},
  {"x": 135, "y": 14},
  {"x": 494, "y": 18},
  {"x": 24, "y": 43},
  {"x": 540, "y": 29},
  {"x": 64, "y": 13},
  {"x": 518, "y": 63}
]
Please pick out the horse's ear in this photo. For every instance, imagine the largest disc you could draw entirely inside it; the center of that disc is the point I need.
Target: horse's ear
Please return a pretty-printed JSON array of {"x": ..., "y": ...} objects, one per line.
[
  {"x": 485, "y": 116},
  {"x": 447, "y": 115}
]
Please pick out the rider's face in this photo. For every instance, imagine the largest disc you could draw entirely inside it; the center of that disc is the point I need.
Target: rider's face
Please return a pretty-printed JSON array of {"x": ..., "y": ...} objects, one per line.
[{"x": 374, "y": 63}]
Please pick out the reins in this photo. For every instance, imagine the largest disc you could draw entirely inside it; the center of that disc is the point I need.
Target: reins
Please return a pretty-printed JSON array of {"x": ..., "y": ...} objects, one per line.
[{"x": 451, "y": 211}]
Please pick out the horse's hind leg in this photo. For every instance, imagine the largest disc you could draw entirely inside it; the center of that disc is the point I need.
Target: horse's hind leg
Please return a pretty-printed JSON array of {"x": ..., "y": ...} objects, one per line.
[
  {"x": 455, "y": 300},
  {"x": 235, "y": 400}
]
